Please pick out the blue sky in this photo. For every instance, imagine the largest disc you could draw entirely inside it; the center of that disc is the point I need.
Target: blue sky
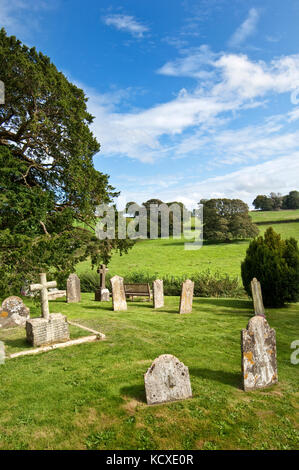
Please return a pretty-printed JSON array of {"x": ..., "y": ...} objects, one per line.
[{"x": 192, "y": 99}]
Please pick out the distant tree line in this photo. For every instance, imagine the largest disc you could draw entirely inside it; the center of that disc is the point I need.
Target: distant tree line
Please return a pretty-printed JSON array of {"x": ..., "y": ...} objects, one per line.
[
  {"x": 276, "y": 201},
  {"x": 175, "y": 218}
]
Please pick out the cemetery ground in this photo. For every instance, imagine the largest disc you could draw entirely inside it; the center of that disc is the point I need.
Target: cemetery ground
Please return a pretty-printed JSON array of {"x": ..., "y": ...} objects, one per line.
[{"x": 92, "y": 396}]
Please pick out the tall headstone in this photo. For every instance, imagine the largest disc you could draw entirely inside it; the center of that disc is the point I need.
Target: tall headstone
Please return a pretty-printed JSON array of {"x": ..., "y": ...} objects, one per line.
[
  {"x": 102, "y": 294},
  {"x": 73, "y": 290},
  {"x": 118, "y": 294},
  {"x": 186, "y": 296},
  {"x": 158, "y": 293},
  {"x": 50, "y": 328},
  {"x": 259, "y": 363},
  {"x": 13, "y": 313},
  {"x": 167, "y": 380},
  {"x": 257, "y": 297}
]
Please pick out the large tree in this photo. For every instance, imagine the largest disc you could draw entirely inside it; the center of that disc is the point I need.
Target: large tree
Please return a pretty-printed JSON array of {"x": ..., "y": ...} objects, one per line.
[
  {"x": 227, "y": 219},
  {"x": 49, "y": 188}
]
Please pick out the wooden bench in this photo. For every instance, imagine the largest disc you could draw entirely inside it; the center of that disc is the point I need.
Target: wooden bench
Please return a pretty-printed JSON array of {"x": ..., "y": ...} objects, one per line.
[{"x": 138, "y": 290}]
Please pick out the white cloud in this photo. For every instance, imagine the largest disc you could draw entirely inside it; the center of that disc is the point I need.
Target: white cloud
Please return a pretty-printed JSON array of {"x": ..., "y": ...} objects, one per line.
[
  {"x": 19, "y": 17},
  {"x": 279, "y": 175},
  {"x": 167, "y": 129},
  {"x": 246, "y": 29},
  {"x": 126, "y": 23}
]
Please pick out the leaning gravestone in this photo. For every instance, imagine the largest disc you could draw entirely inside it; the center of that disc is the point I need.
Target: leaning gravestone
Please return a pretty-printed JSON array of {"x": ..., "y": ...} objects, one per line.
[
  {"x": 258, "y": 345},
  {"x": 50, "y": 328},
  {"x": 257, "y": 297},
  {"x": 158, "y": 293},
  {"x": 73, "y": 290},
  {"x": 186, "y": 297},
  {"x": 13, "y": 312},
  {"x": 118, "y": 294},
  {"x": 167, "y": 380}
]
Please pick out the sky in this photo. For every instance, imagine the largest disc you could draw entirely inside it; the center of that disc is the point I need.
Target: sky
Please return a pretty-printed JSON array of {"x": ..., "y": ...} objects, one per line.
[{"x": 192, "y": 99}]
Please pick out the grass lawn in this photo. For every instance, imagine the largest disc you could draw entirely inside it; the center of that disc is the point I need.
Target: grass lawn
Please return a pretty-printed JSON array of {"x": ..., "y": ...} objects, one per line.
[
  {"x": 269, "y": 216},
  {"x": 163, "y": 257},
  {"x": 92, "y": 396}
]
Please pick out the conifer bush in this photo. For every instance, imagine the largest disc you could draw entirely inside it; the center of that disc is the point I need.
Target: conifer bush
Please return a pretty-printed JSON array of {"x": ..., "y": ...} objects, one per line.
[{"x": 275, "y": 263}]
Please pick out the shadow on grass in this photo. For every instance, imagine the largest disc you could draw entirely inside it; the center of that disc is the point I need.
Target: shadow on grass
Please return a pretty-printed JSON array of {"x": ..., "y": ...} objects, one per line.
[
  {"x": 18, "y": 343},
  {"x": 228, "y": 303},
  {"x": 135, "y": 391},
  {"x": 228, "y": 378}
]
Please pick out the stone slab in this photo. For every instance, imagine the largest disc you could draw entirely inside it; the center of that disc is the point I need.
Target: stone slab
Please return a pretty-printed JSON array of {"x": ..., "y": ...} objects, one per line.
[
  {"x": 13, "y": 313},
  {"x": 158, "y": 293},
  {"x": 186, "y": 299},
  {"x": 258, "y": 346},
  {"x": 42, "y": 331},
  {"x": 167, "y": 380},
  {"x": 118, "y": 294}
]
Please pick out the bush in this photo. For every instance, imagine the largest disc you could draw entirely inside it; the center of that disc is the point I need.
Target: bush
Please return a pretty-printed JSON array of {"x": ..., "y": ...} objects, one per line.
[
  {"x": 205, "y": 284},
  {"x": 275, "y": 263}
]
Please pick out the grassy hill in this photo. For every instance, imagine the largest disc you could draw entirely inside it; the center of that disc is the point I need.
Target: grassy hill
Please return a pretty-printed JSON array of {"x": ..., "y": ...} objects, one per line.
[
  {"x": 168, "y": 257},
  {"x": 92, "y": 396}
]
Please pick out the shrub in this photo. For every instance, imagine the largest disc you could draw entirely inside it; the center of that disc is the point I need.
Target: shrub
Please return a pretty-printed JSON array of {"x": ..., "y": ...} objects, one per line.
[
  {"x": 275, "y": 263},
  {"x": 205, "y": 284}
]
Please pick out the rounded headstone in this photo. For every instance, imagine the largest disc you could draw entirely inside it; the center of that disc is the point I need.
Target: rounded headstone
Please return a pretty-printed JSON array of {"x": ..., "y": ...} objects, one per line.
[
  {"x": 167, "y": 380},
  {"x": 13, "y": 312}
]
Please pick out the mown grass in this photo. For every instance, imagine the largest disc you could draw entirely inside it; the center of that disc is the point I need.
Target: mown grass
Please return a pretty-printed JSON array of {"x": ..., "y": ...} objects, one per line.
[
  {"x": 168, "y": 257},
  {"x": 269, "y": 216},
  {"x": 92, "y": 396}
]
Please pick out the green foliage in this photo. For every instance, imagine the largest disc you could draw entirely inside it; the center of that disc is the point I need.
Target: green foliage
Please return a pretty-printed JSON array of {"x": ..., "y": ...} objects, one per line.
[
  {"x": 205, "y": 284},
  {"x": 275, "y": 263},
  {"x": 227, "y": 219},
  {"x": 47, "y": 178},
  {"x": 291, "y": 201}
]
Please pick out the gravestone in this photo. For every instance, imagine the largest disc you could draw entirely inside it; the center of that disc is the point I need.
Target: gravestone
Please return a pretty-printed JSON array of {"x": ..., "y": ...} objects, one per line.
[
  {"x": 257, "y": 297},
  {"x": 73, "y": 290},
  {"x": 54, "y": 293},
  {"x": 158, "y": 293},
  {"x": 259, "y": 363},
  {"x": 13, "y": 313},
  {"x": 186, "y": 296},
  {"x": 118, "y": 294},
  {"x": 167, "y": 380},
  {"x": 102, "y": 294},
  {"x": 50, "y": 328}
]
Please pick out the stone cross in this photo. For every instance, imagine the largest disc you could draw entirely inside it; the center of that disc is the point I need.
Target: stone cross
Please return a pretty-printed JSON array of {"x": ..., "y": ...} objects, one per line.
[
  {"x": 167, "y": 380},
  {"x": 186, "y": 297},
  {"x": 102, "y": 271},
  {"x": 118, "y": 294},
  {"x": 258, "y": 346},
  {"x": 257, "y": 297},
  {"x": 158, "y": 293},
  {"x": 43, "y": 288}
]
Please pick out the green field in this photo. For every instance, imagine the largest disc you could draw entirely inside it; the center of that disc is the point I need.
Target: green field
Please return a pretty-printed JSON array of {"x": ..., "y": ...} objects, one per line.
[
  {"x": 163, "y": 257},
  {"x": 92, "y": 396},
  {"x": 269, "y": 216}
]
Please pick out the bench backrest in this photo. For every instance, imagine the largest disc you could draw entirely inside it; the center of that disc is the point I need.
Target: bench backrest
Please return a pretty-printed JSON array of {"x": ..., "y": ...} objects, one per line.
[{"x": 137, "y": 288}]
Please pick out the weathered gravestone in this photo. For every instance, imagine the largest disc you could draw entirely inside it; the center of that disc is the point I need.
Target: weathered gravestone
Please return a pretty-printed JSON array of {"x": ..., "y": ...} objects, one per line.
[
  {"x": 257, "y": 297},
  {"x": 158, "y": 293},
  {"x": 118, "y": 294},
  {"x": 186, "y": 297},
  {"x": 167, "y": 380},
  {"x": 102, "y": 294},
  {"x": 50, "y": 328},
  {"x": 13, "y": 312},
  {"x": 73, "y": 290},
  {"x": 54, "y": 293},
  {"x": 258, "y": 345}
]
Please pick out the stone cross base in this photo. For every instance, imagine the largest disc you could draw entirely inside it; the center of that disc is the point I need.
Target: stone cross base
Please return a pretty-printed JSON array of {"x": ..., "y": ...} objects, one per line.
[
  {"x": 41, "y": 332},
  {"x": 102, "y": 295}
]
